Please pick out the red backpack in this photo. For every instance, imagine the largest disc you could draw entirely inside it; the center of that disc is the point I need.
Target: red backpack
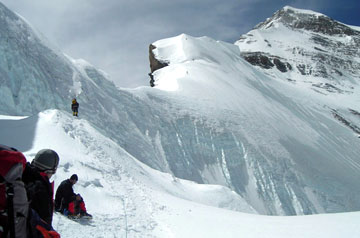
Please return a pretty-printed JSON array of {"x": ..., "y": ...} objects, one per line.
[{"x": 13, "y": 199}]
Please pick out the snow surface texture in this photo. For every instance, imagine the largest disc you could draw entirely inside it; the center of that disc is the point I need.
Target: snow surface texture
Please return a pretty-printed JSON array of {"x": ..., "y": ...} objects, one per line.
[
  {"x": 129, "y": 199},
  {"x": 212, "y": 118},
  {"x": 122, "y": 194}
]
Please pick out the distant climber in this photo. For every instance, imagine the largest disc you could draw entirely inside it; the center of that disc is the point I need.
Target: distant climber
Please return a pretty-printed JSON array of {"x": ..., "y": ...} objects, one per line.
[
  {"x": 75, "y": 107},
  {"x": 69, "y": 203}
]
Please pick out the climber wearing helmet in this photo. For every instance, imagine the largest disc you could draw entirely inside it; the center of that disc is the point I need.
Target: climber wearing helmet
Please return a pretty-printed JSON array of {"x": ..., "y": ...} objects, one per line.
[
  {"x": 37, "y": 180},
  {"x": 75, "y": 107}
]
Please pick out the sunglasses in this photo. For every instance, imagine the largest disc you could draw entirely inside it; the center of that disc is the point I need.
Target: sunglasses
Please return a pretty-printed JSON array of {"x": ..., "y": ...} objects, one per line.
[{"x": 52, "y": 171}]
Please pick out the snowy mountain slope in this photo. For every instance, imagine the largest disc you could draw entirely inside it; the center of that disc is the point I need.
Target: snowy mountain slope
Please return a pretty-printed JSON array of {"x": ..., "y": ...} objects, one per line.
[
  {"x": 282, "y": 142},
  {"x": 116, "y": 187},
  {"x": 308, "y": 47},
  {"x": 35, "y": 77},
  {"x": 129, "y": 199},
  {"x": 212, "y": 118}
]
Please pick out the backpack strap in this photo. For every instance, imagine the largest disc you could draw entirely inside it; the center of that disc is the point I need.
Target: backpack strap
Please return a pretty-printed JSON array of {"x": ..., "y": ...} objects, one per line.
[{"x": 10, "y": 205}]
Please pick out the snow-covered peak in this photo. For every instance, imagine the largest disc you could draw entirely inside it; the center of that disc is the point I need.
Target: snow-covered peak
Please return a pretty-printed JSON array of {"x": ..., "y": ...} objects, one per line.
[
  {"x": 300, "y": 11},
  {"x": 182, "y": 48},
  {"x": 306, "y": 20},
  {"x": 304, "y": 46},
  {"x": 185, "y": 50},
  {"x": 288, "y": 15}
]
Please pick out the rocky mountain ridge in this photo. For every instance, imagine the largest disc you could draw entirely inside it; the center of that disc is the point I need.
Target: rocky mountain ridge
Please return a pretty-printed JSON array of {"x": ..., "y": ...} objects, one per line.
[
  {"x": 308, "y": 44},
  {"x": 309, "y": 21}
]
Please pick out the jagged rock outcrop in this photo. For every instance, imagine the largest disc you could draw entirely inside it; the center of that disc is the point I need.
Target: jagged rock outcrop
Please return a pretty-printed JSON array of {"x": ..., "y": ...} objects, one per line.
[
  {"x": 266, "y": 61},
  {"x": 155, "y": 64},
  {"x": 347, "y": 122}
]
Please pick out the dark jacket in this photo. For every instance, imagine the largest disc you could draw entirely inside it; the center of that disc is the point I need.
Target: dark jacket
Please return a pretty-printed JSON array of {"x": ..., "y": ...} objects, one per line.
[
  {"x": 64, "y": 195},
  {"x": 40, "y": 192},
  {"x": 74, "y": 106}
]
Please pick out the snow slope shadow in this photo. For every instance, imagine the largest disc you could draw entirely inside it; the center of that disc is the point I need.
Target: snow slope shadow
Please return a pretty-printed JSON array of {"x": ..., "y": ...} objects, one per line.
[{"x": 12, "y": 127}]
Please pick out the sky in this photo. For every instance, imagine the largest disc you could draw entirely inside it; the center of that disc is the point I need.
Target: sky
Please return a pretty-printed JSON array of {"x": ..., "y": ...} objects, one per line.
[{"x": 114, "y": 35}]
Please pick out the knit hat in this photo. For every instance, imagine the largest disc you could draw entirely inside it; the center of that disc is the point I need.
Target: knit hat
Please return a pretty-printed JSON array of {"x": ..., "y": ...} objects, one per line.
[
  {"x": 46, "y": 160},
  {"x": 74, "y": 177}
]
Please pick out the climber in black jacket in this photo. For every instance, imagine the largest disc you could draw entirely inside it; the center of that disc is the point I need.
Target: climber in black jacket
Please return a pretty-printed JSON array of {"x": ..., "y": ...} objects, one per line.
[
  {"x": 38, "y": 186},
  {"x": 65, "y": 193}
]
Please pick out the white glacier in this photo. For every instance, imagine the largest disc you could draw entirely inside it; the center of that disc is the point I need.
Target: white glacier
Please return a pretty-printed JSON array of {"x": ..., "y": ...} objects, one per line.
[
  {"x": 283, "y": 141},
  {"x": 129, "y": 199}
]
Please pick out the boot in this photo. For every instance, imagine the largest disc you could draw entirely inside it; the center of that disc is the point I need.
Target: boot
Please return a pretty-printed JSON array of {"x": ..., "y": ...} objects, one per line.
[
  {"x": 73, "y": 216},
  {"x": 85, "y": 215}
]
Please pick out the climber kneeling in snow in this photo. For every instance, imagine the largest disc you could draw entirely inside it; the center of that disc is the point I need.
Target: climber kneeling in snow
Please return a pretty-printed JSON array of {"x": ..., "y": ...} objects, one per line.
[
  {"x": 67, "y": 202},
  {"x": 75, "y": 107}
]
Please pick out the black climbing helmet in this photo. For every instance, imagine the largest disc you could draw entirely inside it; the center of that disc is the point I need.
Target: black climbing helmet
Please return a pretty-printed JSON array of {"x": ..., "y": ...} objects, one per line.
[{"x": 46, "y": 160}]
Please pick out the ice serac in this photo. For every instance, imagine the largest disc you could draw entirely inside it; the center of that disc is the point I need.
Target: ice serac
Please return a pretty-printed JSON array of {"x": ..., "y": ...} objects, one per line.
[
  {"x": 285, "y": 145},
  {"x": 35, "y": 76},
  {"x": 25, "y": 58}
]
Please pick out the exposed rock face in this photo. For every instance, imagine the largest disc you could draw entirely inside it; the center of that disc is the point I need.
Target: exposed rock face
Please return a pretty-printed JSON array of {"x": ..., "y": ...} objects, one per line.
[
  {"x": 347, "y": 122},
  {"x": 266, "y": 61},
  {"x": 155, "y": 64}
]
